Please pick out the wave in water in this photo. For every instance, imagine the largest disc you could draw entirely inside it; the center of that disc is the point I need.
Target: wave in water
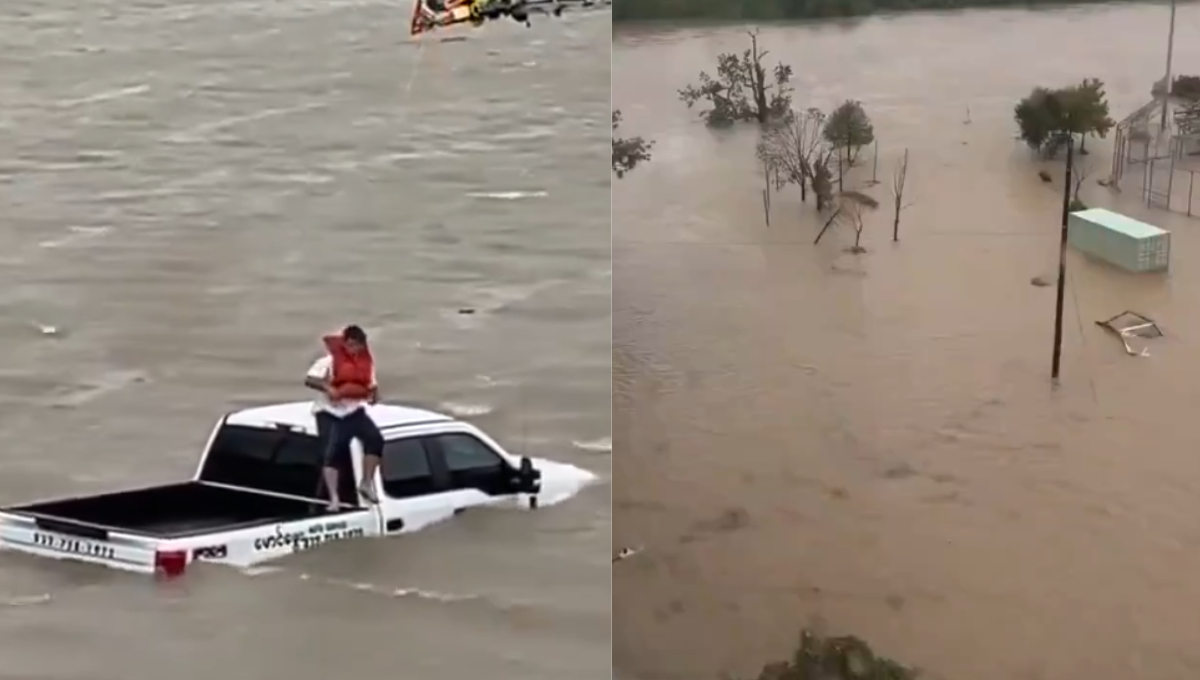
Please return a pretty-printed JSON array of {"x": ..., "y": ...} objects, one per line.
[
  {"x": 508, "y": 195},
  {"x": 601, "y": 445},
  {"x": 465, "y": 410}
]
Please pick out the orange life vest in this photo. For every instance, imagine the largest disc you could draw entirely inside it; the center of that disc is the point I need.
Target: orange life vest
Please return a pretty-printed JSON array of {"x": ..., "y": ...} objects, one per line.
[{"x": 351, "y": 373}]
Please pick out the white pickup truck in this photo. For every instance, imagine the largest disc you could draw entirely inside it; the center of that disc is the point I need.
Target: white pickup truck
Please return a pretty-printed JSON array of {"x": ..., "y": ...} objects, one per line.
[{"x": 256, "y": 494}]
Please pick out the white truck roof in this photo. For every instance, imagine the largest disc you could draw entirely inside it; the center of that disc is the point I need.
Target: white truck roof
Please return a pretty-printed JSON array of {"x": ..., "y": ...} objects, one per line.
[{"x": 299, "y": 415}]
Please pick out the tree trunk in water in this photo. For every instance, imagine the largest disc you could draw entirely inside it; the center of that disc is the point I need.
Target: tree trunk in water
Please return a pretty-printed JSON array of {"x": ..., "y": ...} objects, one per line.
[
  {"x": 841, "y": 170},
  {"x": 896, "y": 224}
]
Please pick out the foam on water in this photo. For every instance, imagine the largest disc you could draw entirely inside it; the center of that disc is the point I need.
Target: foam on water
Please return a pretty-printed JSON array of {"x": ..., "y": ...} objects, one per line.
[
  {"x": 507, "y": 195},
  {"x": 603, "y": 444},
  {"x": 561, "y": 481},
  {"x": 462, "y": 410}
]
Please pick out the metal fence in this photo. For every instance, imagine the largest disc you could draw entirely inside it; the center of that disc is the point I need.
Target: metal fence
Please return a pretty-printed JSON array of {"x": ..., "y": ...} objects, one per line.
[{"x": 1161, "y": 161}]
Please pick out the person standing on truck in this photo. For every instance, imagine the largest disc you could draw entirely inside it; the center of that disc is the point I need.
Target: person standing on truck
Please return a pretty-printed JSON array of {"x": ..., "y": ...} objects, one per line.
[{"x": 345, "y": 378}]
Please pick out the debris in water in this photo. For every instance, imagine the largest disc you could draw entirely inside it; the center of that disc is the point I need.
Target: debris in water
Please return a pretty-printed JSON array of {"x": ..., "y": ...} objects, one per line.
[
  {"x": 1128, "y": 325},
  {"x": 625, "y": 553},
  {"x": 26, "y": 600},
  {"x": 466, "y": 310},
  {"x": 46, "y": 330},
  {"x": 1040, "y": 281}
]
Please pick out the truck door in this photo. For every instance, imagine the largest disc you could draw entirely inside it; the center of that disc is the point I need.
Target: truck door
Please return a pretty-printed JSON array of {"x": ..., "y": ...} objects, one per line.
[
  {"x": 471, "y": 463},
  {"x": 407, "y": 479}
]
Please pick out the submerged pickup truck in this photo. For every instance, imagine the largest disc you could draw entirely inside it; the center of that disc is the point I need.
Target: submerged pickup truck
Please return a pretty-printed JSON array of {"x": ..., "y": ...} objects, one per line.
[{"x": 257, "y": 494}]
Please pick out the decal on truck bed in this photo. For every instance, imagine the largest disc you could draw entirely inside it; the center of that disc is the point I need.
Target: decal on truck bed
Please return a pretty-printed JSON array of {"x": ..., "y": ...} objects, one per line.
[
  {"x": 74, "y": 545},
  {"x": 316, "y": 535},
  {"x": 212, "y": 552}
]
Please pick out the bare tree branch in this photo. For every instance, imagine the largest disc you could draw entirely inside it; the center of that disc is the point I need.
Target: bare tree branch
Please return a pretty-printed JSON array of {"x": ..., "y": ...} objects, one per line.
[
  {"x": 790, "y": 146},
  {"x": 899, "y": 179}
]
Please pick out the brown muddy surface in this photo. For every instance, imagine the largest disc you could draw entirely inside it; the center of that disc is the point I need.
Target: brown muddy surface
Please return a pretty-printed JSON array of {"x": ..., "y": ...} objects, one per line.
[
  {"x": 193, "y": 191},
  {"x": 873, "y": 440}
]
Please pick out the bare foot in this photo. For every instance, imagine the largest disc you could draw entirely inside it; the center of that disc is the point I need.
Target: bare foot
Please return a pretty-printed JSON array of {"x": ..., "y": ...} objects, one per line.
[{"x": 334, "y": 505}]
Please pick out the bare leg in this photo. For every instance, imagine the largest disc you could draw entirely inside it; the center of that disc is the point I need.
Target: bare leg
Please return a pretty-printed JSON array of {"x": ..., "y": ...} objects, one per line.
[
  {"x": 367, "y": 487},
  {"x": 331, "y": 486}
]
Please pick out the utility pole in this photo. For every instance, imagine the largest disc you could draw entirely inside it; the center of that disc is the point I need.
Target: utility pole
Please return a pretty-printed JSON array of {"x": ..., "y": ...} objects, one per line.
[
  {"x": 1062, "y": 263},
  {"x": 1162, "y": 124}
]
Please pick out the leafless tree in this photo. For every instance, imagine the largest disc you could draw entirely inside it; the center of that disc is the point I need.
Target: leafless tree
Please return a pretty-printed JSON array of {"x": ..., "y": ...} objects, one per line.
[
  {"x": 850, "y": 210},
  {"x": 789, "y": 148},
  {"x": 899, "y": 178}
]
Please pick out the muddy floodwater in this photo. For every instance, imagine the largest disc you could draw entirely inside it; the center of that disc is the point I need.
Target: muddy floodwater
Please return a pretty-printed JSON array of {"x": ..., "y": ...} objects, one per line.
[
  {"x": 193, "y": 191},
  {"x": 873, "y": 439}
]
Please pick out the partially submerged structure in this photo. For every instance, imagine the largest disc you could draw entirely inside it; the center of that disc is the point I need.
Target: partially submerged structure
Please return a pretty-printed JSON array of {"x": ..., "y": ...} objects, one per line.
[
  {"x": 1129, "y": 325},
  {"x": 1162, "y": 160},
  {"x": 1118, "y": 240}
]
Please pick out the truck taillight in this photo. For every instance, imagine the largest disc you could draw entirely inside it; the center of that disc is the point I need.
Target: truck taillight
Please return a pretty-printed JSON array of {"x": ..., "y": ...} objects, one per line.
[{"x": 170, "y": 563}]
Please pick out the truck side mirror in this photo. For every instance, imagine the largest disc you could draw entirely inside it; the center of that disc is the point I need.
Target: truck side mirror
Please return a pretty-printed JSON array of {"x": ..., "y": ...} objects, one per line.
[{"x": 528, "y": 480}]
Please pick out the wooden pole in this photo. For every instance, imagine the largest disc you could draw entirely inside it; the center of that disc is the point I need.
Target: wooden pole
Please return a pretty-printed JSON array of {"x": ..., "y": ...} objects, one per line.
[
  {"x": 875, "y": 166},
  {"x": 1191, "y": 185},
  {"x": 1056, "y": 361}
]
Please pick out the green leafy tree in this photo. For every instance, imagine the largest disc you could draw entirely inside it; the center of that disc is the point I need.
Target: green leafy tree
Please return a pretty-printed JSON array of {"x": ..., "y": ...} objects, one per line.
[
  {"x": 1186, "y": 87},
  {"x": 740, "y": 92},
  {"x": 847, "y": 130},
  {"x": 835, "y": 658},
  {"x": 627, "y": 153},
  {"x": 822, "y": 180},
  {"x": 1047, "y": 119}
]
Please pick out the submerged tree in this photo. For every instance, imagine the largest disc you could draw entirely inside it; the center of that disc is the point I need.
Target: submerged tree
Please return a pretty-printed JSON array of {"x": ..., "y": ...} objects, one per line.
[
  {"x": 1047, "y": 119},
  {"x": 740, "y": 91},
  {"x": 848, "y": 129},
  {"x": 835, "y": 658},
  {"x": 1186, "y": 87},
  {"x": 822, "y": 179},
  {"x": 790, "y": 146},
  {"x": 850, "y": 210},
  {"x": 899, "y": 179},
  {"x": 627, "y": 153}
]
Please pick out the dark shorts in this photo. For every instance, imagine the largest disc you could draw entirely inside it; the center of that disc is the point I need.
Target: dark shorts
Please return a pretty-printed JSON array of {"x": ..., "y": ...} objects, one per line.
[{"x": 336, "y": 434}]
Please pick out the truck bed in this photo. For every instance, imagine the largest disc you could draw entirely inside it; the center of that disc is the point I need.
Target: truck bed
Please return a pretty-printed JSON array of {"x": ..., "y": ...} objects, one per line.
[{"x": 173, "y": 511}]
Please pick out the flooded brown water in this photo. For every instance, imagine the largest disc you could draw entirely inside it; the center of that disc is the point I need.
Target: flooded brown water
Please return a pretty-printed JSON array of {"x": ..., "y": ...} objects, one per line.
[
  {"x": 873, "y": 440},
  {"x": 192, "y": 192}
]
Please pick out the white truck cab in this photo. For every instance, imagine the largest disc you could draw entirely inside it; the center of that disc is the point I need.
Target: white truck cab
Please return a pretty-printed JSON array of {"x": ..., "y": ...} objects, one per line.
[{"x": 257, "y": 496}]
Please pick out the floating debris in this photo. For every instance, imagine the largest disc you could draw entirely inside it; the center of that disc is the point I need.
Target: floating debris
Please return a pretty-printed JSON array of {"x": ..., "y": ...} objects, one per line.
[
  {"x": 1128, "y": 325},
  {"x": 625, "y": 553},
  {"x": 25, "y": 600}
]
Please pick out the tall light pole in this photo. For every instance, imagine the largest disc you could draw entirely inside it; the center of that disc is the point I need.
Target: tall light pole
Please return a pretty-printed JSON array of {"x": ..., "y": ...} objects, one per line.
[{"x": 1162, "y": 124}]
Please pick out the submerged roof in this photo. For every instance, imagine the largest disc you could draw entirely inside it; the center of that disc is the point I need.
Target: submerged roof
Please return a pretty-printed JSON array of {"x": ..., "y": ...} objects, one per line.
[{"x": 299, "y": 414}]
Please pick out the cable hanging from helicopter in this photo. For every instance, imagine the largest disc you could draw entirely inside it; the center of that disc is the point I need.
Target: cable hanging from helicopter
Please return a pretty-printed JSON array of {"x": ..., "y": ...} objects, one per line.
[{"x": 430, "y": 15}]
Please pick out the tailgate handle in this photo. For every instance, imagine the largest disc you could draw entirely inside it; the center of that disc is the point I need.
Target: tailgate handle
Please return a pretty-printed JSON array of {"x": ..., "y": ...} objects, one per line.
[{"x": 82, "y": 530}]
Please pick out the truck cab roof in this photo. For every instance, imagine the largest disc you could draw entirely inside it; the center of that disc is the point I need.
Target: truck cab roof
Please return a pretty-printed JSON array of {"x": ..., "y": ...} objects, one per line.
[{"x": 298, "y": 415}]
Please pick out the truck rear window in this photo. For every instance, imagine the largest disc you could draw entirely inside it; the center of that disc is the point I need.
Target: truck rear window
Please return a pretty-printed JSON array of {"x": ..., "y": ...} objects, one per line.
[{"x": 276, "y": 460}]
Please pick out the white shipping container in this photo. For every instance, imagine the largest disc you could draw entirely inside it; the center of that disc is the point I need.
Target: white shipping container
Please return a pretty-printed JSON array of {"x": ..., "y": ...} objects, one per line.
[{"x": 1119, "y": 240}]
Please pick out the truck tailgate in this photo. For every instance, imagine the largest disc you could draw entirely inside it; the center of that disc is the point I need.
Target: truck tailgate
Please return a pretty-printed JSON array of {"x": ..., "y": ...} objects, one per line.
[{"x": 66, "y": 539}]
